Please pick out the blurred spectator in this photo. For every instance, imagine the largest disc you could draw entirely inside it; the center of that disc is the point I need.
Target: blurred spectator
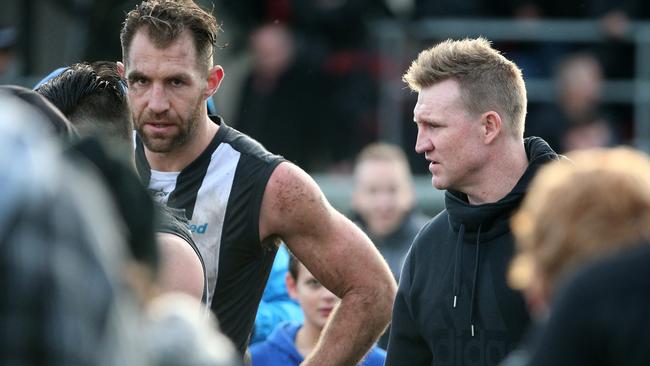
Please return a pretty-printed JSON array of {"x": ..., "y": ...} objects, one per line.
[
  {"x": 350, "y": 66},
  {"x": 62, "y": 255},
  {"x": 526, "y": 9},
  {"x": 591, "y": 131},
  {"x": 321, "y": 68},
  {"x": 579, "y": 79},
  {"x": 383, "y": 200},
  {"x": 602, "y": 316},
  {"x": 563, "y": 225},
  {"x": 179, "y": 335},
  {"x": 93, "y": 97},
  {"x": 276, "y": 306},
  {"x": 283, "y": 102},
  {"x": 57, "y": 123},
  {"x": 617, "y": 55},
  {"x": 8, "y": 42},
  {"x": 291, "y": 342}
]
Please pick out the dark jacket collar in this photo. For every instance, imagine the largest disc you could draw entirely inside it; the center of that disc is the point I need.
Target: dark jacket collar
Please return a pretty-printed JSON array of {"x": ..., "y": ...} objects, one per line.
[{"x": 493, "y": 217}]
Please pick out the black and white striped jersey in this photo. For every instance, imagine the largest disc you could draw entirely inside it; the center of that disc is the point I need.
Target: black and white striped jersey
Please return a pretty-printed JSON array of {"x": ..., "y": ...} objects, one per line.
[{"x": 221, "y": 194}]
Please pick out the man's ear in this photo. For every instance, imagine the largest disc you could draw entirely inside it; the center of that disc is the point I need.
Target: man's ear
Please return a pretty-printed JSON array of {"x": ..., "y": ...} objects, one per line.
[
  {"x": 121, "y": 69},
  {"x": 215, "y": 75},
  {"x": 492, "y": 126}
]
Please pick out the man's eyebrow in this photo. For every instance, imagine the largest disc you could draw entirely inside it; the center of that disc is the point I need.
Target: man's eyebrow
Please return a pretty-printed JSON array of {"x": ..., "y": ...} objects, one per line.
[
  {"x": 139, "y": 75},
  {"x": 180, "y": 76},
  {"x": 428, "y": 121},
  {"x": 135, "y": 74}
]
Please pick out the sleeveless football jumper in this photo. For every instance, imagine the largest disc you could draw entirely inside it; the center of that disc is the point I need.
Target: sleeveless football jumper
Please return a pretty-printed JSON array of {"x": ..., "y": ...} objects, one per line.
[{"x": 221, "y": 194}]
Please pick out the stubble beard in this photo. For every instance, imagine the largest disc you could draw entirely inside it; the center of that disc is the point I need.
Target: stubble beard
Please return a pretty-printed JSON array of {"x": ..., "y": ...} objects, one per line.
[{"x": 167, "y": 144}]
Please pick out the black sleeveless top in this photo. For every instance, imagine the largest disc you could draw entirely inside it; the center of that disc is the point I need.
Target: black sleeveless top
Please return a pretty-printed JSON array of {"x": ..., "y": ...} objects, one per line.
[{"x": 221, "y": 194}]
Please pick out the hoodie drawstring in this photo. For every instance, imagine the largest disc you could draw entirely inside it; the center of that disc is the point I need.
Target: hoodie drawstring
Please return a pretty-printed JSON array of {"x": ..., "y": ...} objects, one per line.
[
  {"x": 474, "y": 283},
  {"x": 458, "y": 264},
  {"x": 458, "y": 269}
]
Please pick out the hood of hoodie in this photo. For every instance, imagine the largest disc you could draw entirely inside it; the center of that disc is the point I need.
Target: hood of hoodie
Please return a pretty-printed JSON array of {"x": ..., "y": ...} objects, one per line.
[
  {"x": 482, "y": 223},
  {"x": 493, "y": 218},
  {"x": 283, "y": 338}
]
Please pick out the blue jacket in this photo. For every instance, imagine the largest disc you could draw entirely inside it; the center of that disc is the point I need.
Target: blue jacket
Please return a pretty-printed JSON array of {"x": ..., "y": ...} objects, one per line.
[
  {"x": 279, "y": 349},
  {"x": 276, "y": 306}
]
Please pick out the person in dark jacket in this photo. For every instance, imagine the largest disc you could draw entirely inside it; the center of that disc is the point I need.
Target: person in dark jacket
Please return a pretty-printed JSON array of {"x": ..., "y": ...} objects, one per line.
[
  {"x": 607, "y": 212},
  {"x": 602, "y": 316},
  {"x": 453, "y": 305}
]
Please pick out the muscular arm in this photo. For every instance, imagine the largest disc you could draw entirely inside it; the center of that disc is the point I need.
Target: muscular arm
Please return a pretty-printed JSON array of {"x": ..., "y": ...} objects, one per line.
[{"x": 339, "y": 255}]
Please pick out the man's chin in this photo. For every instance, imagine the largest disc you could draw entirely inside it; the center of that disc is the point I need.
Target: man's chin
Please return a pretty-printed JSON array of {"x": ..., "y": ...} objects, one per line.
[
  {"x": 160, "y": 146},
  {"x": 163, "y": 143},
  {"x": 437, "y": 184}
]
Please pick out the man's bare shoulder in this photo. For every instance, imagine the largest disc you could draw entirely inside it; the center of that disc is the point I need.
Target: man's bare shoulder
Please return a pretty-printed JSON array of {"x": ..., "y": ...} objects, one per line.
[
  {"x": 291, "y": 199},
  {"x": 292, "y": 184}
]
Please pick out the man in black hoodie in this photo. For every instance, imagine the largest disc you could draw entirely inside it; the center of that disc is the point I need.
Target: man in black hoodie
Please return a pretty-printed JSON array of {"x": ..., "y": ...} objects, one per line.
[{"x": 453, "y": 305}]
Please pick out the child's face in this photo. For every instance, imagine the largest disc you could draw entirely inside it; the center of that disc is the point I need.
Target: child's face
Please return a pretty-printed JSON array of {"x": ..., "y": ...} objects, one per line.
[{"x": 316, "y": 301}]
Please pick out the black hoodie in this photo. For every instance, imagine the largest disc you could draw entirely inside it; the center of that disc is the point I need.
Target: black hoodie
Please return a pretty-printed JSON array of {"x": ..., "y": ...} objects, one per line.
[{"x": 453, "y": 306}]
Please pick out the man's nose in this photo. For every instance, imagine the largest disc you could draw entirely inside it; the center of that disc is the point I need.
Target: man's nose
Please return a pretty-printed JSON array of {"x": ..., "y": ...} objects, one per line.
[
  {"x": 422, "y": 143},
  {"x": 158, "y": 100}
]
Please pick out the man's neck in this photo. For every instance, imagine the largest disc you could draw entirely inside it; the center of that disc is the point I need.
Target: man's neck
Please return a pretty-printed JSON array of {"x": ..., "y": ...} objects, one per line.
[
  {"x": 306, "y": 339},
  {"x": 500, "y": 176},
  {"x": 178, "y": 159}
]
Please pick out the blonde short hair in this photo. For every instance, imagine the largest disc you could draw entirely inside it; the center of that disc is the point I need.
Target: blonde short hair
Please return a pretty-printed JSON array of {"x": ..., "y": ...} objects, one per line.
[
  {"x": 488, "y": 81},
  {"x": 381, "y": 151},
  {"x": 580, "y": 209}
]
